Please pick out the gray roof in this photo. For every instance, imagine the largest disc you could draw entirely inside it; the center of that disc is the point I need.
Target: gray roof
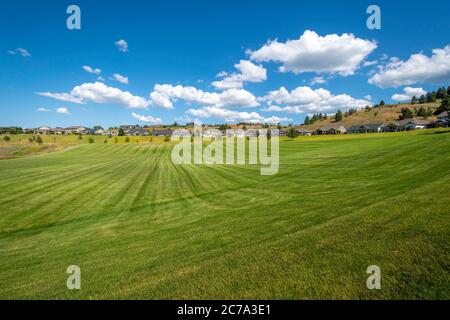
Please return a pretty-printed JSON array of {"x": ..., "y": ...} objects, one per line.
[{"x": 365, "y": 126}]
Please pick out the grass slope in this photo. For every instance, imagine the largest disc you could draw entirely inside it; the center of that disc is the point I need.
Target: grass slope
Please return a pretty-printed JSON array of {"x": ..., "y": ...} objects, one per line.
[
  {"x": 380, "y": 114},
  {"x": 141, "y": 227}
]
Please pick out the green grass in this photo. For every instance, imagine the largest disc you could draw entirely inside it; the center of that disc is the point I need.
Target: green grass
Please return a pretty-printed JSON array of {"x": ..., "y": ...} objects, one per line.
[{"x": 141, "y": 227}]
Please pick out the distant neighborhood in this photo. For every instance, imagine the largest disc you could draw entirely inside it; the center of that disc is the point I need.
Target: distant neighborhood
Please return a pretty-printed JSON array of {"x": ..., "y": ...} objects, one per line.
[{"x": 442, "y": 121}]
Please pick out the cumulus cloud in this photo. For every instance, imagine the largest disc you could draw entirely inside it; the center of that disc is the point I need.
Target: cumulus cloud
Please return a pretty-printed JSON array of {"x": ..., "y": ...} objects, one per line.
[
  {"x": 408, "y": 93},
  {"x": 248, "y": 72},
  {"x": 43, "y": 110},
  {"x": 313, "y": 53},
  {"x": 21, "y": 51},
  {"x": 63, "y": 110},
  {"x": 163, "y": 95},
  {"x": 419, "y": 68},
  {"x": 148, "y": 119},
  {"x": 99, "y": 93},
  {"x": 89, "y": 69},
  {"x": 122, "y": 45},
  {"x": 307, "y": 100},
  {"x": 120, "y": 78},
  {"x": 234, "y": 116}
]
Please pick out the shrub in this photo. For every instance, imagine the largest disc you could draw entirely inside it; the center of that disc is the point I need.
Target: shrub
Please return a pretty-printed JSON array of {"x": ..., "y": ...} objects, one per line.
[
  {"x": 91, "y": 140},
  {"x": 166, "y": 138},
  {"x": 30, "y": 139},
  {"x": 116, "y": 140},
  {"x": 106, "y": 141},
  {"x": 127, "y": 139},
  {"x": 39, "y": 140},
  {"x": 80, "y": 136},
  {"x": 6, "y": 138}
]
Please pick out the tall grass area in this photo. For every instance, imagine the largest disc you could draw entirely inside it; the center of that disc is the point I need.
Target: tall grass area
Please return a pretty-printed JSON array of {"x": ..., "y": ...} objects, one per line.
[{"x": 141, "y": 227}]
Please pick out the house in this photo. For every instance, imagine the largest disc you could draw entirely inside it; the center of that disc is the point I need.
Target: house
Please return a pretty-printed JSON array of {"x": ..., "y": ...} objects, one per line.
[
  {"x": 44, "y": 130},
  {"x": 333, "y": 128},
  {"x": 101, "y": 132},
  {"x": 137, "y": 132},
  {"x": 366, "y": 128},
  {"x": 59, "y": 131},
  {"x": 283, "y": 133},
  {"x": 392, "y": 127},
  {"x": 162, "y": 132},
  {"x": 88, "y": 131},
  {"x": 303, "y": 132},
  {"x": 413, "y": 124},
  {"x": 443, "y": 116},
  {"x": 29, "y": 130},
  {"x": 75, "y": 129},
  {"x": 440, "y": 123}
]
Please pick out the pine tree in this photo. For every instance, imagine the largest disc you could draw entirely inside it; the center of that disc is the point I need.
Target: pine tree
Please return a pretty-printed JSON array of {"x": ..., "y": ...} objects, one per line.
[
  {"x": 307, "y": 120},
  {"x": 414, "y": 100},
  {"x": 338, "y": 116}
]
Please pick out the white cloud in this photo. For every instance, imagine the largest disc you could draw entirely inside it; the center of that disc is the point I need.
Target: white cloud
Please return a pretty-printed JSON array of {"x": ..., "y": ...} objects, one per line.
[
  {"x": 99, "y": 93},
  {"x": 149, "y": 119},
  {"x": 249, "y": 72},
  {"x": 318, "y": 80},
  {"x": 63, "y": 110},
  {"x": 122, "y": 45},
  {"x": 313, "y": 53},
  {"x": 368, "y": 97},
  {"x": 305, "y": 99},
  {"x": 163, "y": 95},
  {"x": 120, "y": 78},
  {"x": 419, "y": 68},
  {"x": 369, "y": 63},
  {"x": 23, "y": 52},
  {"x": 100, "y": 78},
  {"x": 89, "y": 69},
  {"x": 43, "y": 110},
  {"x": 408, "y": 93},
  {"x": 234, "y": 116}
]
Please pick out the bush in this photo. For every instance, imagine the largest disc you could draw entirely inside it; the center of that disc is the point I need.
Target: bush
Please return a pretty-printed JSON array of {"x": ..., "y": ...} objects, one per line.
[
  {"x": 106, "y": 141},
  {"x": 116, "y": 140},
  {"x": 30, "y": 139},
  {"x": 91, "y": 140},
  {"x": 39, "y": 140},
  {"x": 127, "y": 139},
  {"x": 80, "y": 136},
  {"x": 166, "y": 138},
  {"x": 6, "y": 138}
]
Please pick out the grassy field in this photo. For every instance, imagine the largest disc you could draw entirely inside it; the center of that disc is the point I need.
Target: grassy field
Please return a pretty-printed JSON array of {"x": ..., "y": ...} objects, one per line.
[{"x": 140, "y": 227}]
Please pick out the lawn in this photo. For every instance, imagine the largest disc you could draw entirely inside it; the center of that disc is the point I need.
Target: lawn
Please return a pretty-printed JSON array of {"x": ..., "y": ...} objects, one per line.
[{"x": 141, "y": 227}]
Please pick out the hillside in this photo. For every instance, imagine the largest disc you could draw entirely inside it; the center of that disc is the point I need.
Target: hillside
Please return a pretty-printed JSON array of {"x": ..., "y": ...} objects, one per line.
[{"x": 381, "y": 114}]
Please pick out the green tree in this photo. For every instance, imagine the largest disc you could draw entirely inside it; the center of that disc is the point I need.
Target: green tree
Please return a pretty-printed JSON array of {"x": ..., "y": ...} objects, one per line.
[
  {"x": 430, "y": 97},
  {"x": 292, "y": 133},
  {"x": 406, "y": 114},
  {"x": 382, "y": 103},
  {"x": 440, "y": 94},
  {"x": 338, "y": 116},
  {"x": 121, "y": 132},
  {"x": 39, "y": 140},
  {"x": 422, "y": 99},
  {"x": 80, "y": 136},
  {"x": 414, "y": 100},
  {"x": 307, "y": 120},
  {"x": 421, "y": 112},
  {"x": 444, "y": 106}
]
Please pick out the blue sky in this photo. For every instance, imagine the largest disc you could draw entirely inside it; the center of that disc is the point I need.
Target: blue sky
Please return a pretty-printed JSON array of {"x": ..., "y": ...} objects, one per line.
[{"x": 179, "y": 51}]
